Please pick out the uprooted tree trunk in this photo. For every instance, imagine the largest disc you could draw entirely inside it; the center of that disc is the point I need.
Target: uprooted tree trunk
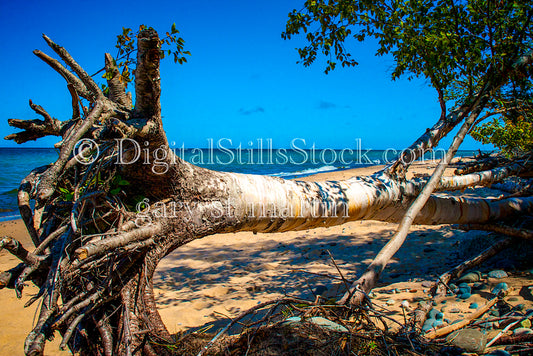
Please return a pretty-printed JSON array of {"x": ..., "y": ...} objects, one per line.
[{"x": 100, "y": 227}]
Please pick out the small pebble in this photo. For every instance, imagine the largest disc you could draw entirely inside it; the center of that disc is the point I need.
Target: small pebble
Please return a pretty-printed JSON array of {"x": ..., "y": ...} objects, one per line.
[
  {"x": 465, "y": 295},
  {"x": 405, "y": 304},
  {"x": 434, "y": 303},
  {"x": 455, "y": 310},
  {"x": 390, "y": 302},
  {"x": 473, "y": 306},
  {"x": 512, "y": 299}
]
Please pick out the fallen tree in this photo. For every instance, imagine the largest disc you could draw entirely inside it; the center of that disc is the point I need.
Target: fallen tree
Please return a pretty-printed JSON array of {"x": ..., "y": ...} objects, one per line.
[{"x": 97, "y": 246}]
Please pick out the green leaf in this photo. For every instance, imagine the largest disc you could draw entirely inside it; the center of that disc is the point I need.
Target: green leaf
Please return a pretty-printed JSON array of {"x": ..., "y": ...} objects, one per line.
[
  {"x": 115, "y": 191},
  {"x": 173, "y": 29}
]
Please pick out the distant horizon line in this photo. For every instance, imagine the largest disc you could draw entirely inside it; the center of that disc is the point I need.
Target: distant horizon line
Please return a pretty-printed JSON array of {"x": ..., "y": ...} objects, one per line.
[{"x": 264, "y": 149}]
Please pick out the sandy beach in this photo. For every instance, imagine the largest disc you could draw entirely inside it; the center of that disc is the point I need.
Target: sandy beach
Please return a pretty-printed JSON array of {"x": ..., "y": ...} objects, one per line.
[{"x": 206, "y": 282}]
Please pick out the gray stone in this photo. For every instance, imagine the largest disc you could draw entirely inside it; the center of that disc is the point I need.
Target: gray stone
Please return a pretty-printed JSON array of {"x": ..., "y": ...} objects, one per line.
[
  {"x": 521, "y": 331},
  {"x": 432, "y": 313},
  {"x": 390, "y": 302},
  {"x": 499, "y": 288},
  {"x": 428, "y": 324},
  {"x": 498, "y": 273},
  {"x": 464, "y": 288},
  {"x": 470, "y": 340},
  {"x": 328, "y": 324},
  {"x": 455, "y": 310}
]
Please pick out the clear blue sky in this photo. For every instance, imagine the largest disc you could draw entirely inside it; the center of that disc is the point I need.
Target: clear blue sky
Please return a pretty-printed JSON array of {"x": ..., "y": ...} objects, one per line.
[{"x": 241, "y": 82}]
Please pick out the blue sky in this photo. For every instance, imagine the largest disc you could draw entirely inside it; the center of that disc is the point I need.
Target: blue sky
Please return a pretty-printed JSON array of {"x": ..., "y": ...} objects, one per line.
[{"x": 242, "y": 81}]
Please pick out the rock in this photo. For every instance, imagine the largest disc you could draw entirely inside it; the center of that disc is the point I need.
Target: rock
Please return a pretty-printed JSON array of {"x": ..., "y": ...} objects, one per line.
[
  {"x": 521, "y": 331},
  {"x": 498, "y": 273},
  {"x": 464, "y": 295},
  {"x": 405, "y": 304},
  {"x": 471, "y": 340},
  {"x": 473, "y": 306},
  {"x": 432, "y": 313},
  {"x": 439, "y": 316},
  {"x": 455, "y": 310},
  {"x": 500, "y": 287},
  {"x": 464, "y": 288},
  {"x": 328, "y": 324},
  {"x": 470, "y": 277},
  {"x": 427, "y": 284},
  {"x": 428, "y": 325}
]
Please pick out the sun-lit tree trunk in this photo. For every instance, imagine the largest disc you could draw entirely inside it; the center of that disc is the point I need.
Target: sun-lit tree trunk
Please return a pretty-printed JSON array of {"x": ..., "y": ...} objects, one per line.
[{"x": 96, "y": 252}]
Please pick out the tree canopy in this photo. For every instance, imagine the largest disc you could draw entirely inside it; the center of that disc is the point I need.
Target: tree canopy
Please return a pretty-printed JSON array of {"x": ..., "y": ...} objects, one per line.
[{"x": 458, "y": 46}]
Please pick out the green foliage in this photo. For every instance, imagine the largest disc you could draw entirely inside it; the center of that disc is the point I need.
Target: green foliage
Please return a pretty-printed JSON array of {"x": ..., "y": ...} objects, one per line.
[
  {"x": 513, "y": 135},
  {"x": 125, "y": 61},
  {"x": 458, "y": 46}
]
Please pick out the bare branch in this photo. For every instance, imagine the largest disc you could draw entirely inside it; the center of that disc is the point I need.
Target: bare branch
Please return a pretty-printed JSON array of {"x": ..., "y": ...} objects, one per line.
[
  {"x": 16, "y": 249},
  {"x": 123, "y": 239},
  {"x": 82, "y": 74},
  {"x": 81, "y": 89}
]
